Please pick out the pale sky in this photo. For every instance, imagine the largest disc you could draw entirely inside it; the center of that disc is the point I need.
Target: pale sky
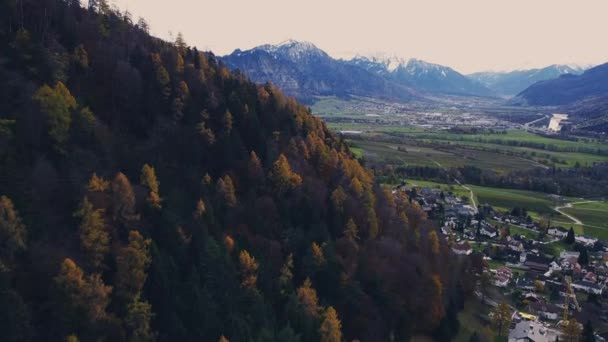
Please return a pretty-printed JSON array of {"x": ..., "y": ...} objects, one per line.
[{"x": 467, "y": 35}]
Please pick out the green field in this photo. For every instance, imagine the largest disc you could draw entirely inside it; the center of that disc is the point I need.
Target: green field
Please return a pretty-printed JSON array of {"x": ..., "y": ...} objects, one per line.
[
  {"x": 593, "y": 215},
  {"x": 445, "y": 157},
  {"x": 541, "y": 156},
  {"x": 506, "y": 199}
]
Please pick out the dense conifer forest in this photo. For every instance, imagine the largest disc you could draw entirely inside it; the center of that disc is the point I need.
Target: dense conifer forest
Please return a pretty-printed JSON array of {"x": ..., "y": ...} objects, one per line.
[{"x": 147, "y": 193}]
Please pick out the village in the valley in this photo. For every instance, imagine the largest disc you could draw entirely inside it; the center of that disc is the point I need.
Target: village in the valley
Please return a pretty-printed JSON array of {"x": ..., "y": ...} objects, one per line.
[{"x": 547, "y": 276}]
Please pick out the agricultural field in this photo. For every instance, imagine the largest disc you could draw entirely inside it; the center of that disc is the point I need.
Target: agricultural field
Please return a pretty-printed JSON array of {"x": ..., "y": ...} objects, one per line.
[
  {"x": 506, "y": 199},
  {"x": 399, "y": 154},
  {"x": 594, "y": 216}
]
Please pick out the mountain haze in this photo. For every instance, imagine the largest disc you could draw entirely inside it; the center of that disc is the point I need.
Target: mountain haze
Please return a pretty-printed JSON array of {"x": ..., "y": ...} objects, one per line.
[
  {"x": 567, "y": 88},
  {"x": 513, "y": 82}
]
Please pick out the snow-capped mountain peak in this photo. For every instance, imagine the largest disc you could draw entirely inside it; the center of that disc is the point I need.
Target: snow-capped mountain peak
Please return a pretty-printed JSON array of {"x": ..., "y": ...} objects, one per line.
[
  {"x": 416, "y": 66},
  {"x": 291, "y": 48},
  {"x": 389, "y": 62}
]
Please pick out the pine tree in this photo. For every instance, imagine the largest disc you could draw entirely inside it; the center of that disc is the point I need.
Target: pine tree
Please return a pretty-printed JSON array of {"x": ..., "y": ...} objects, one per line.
[
  {"x": 227, "y": 122},
  {"x": 200, "y": 209},
  {"x": 307, "y": 296},
  {"x": 162, "y": 76},
  {"x": 249, "y": 270},
  {"x": 570, "y": 238},
  {"x": 286, "y": 275},
  {"x": 356, "y": 186},
  {"x": 86, "y": 294},
  {"x": 225, "y": 189},
  {"x": 57, "y": 104},
  {"x": 123, "y": 198},
  {"x": 180, "y": 44},
  {"x": 13, "y": 234},
  {"x": 148, "y": 179},
  {"x": 179, "y": 64},
  {"x": 132, "y": 262},
  {"x": 138, "y": 320},
  {"x": 338, "y": 196},
  {"x": 81, "y": 57},
  {"x": 583, "y": 257},
  {"x": 284, "y": 178},
  {"x": 501, "y": 318},
  {"x": 331, "y": 327},
  {"x": 254, "y": 168},
  {"x": 98, "y": 184},
  {"x": 94, "y": 238},
  {"x": 351, "y": 232},
  {"x": 317, "y": 254},
  {"x": 434, "y": 242}
]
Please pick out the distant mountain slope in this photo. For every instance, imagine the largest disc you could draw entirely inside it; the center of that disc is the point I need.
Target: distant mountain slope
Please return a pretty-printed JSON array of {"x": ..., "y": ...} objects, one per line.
[
  {"x": 512, "y": 83},
  {"x": 423, "y": 76},
  {"x": 567, "y": 88},
  {"x": 302, "y": 70}
]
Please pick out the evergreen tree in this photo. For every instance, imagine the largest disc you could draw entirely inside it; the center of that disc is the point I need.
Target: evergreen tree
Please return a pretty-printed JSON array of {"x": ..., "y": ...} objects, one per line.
[
  {"x": 570, "y": 238},
  {"x": 284, "y": 178},
  {"x": 138, "y": 320},
  {"x": 249, "y": 270},
  {"x": 225, "y": 188},
  {"x": 123, "y": 199},
  {"x": 94, "y": 238},
  {"x": 88, "y": 295},
  {"x": 501, "y": 318},
  {"x": 56, "y": 103},
  {"x": 180, "y": 44},
  {"x": 286, "y": 276},
  {"x": 148, "y": 179},
  {"x": 588, "y": 334},
  {"x": 307, "y": 296},
  {"x": 583, "y": 257},
  {"x": 351, "y": 232},
  {"x": 132, "y": 262},
  {"x": 13, "y": 234},
  {"x": 331, "y": 327}
]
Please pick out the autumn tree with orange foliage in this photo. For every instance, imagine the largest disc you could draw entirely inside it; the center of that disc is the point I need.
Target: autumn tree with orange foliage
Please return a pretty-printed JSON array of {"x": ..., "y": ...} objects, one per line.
[
  {"x": 249, "y": 270},
  {"x": 331, "y": 327}
]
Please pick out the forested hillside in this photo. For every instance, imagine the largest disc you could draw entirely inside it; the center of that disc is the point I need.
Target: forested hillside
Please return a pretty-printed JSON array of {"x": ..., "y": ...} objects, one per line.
[{"x": 147, "y": 193}]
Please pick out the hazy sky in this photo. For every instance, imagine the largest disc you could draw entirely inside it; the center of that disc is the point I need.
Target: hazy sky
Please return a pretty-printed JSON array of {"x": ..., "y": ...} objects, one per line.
[{"x": 468, "y": 35}]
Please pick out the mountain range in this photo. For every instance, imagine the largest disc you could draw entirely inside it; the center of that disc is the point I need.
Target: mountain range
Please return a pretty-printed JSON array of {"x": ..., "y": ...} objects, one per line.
[
  {"x": 567, "y": 88},
  {"x": 421, "y": 75},
  {"x": 303, "y": 70},
  {"x": 511, "y": 83}
]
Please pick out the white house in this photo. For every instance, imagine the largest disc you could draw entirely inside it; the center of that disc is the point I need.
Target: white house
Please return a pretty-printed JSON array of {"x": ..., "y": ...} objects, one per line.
[
  {"x": 488, "y": 231},
  {"x": 588, "y": 287},
  {"x": 530, "y": 331},
  {"x": 516, "y": 246},
  {"x": 558, "y": 232},
  {"x": 548, "y": 311},
  {"x": 462, "y": 248},
  {"x": 585, "y": 240},
  {"x": 569, "y": 254}
]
